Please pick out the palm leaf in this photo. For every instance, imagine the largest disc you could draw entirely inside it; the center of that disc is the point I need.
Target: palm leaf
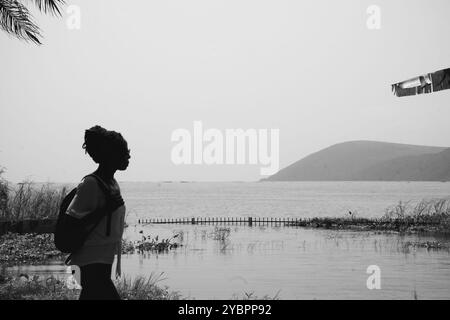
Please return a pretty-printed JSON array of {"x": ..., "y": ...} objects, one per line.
[
  {"x": 49, "y": 6},
  {"x": 16, "y": 20}
]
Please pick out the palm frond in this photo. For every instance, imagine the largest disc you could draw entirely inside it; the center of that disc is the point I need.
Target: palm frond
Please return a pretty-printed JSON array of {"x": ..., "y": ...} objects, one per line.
[
  {"x": 16, "y": 20},
  {"x": 49, "y": 6}
]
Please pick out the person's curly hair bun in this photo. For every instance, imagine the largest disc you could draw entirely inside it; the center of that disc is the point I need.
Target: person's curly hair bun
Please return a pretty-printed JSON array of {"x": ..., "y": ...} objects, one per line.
[{"x": 102, "y": 144}]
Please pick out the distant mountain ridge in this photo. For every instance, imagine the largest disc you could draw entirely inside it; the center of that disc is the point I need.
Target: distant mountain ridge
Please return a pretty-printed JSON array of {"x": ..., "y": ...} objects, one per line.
[{"x": 371, "y": 161}]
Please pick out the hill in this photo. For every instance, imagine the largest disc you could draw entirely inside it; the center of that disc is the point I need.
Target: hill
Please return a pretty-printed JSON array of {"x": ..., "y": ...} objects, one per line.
[{"x": 370, "y": 160}]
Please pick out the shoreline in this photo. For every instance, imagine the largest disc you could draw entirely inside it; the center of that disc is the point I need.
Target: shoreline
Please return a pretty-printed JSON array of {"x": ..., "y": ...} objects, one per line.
[{"x": 400, "y": 225}]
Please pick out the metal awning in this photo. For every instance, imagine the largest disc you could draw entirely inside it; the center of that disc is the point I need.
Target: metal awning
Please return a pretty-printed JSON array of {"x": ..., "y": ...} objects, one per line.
[{"x": 427, "y": 83}]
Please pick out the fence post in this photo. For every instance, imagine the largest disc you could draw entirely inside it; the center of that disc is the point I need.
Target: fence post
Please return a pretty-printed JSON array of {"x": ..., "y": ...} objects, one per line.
[{"x": 250, "y": 221}]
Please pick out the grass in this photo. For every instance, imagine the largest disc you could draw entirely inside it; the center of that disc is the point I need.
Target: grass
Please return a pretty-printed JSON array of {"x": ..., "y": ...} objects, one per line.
[
  {"x": 427, "y": 216},
  {"x": 27, "y": 200},
  {"x": 252, "y": 296},
  {"x": 3, "y": 194},
  {"x": 430, "y": 245},
  {"x": 25, "y": 287},
  {"x": 145, "y": 288},
  {"x": 220, "y": 233}
]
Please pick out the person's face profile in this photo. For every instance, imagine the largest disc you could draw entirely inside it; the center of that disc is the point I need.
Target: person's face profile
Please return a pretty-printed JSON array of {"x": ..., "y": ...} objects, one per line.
[{"x": 123, "y": 158}]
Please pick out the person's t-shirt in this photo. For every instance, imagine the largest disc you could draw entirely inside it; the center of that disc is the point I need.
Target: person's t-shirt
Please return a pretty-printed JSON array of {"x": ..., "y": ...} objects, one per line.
[{"x": 98, "y": 247}]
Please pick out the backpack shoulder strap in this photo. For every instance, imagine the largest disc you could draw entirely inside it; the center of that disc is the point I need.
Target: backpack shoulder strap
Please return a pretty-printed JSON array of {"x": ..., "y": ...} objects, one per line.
[
  {"x": 107, "y": 192},
  {"x": 102, "y": 184}
]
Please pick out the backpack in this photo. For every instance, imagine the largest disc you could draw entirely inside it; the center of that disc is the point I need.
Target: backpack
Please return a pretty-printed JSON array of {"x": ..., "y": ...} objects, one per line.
[{"x": 70, "y": 232}]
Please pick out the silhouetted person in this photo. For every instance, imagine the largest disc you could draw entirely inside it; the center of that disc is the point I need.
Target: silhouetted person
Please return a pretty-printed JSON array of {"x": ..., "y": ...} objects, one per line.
[{"x": 110, "y": 150}]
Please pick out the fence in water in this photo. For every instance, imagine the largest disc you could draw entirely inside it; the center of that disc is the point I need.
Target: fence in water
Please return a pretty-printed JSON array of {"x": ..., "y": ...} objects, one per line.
[{"x": 224, "y": 220}]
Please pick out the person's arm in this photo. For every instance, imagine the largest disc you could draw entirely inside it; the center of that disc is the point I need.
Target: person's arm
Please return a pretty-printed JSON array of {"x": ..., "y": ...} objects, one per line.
[
  {"x": 119, "y": 258},
  {"x": 85, "y": 200},
  {"x": 119, "y": 248},
  {"x": 119, "y": 244}
]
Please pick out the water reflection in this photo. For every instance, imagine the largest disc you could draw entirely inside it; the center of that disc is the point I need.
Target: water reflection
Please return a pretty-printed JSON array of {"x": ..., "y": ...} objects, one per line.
[{"x": 292, "y": 263}]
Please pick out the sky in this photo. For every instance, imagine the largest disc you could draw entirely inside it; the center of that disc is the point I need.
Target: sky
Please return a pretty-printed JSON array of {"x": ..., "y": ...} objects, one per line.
[{"x": 312, "y": 69}]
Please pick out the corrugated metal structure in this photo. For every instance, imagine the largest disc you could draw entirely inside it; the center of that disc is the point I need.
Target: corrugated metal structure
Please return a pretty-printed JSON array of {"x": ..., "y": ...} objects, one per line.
[{"x": 427, "y": 83}]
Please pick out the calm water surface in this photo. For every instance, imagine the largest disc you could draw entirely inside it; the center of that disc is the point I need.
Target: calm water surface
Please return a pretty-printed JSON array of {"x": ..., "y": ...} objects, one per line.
[
  {"x": 269, "y": 199},
  {"x": 286, "y": 262},
  {"x": 290, "y": 263}
]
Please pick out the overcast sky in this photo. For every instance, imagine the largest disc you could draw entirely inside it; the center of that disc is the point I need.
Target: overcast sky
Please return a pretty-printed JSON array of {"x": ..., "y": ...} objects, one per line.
[{"x": 145, "y": 68}]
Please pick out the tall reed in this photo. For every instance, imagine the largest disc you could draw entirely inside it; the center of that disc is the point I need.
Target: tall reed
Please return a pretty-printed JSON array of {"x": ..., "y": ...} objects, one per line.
[
  {"x": 3, "y": 194},
  {"x": 28, "y": 200},
  {"x": 430, "y": 211}
]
